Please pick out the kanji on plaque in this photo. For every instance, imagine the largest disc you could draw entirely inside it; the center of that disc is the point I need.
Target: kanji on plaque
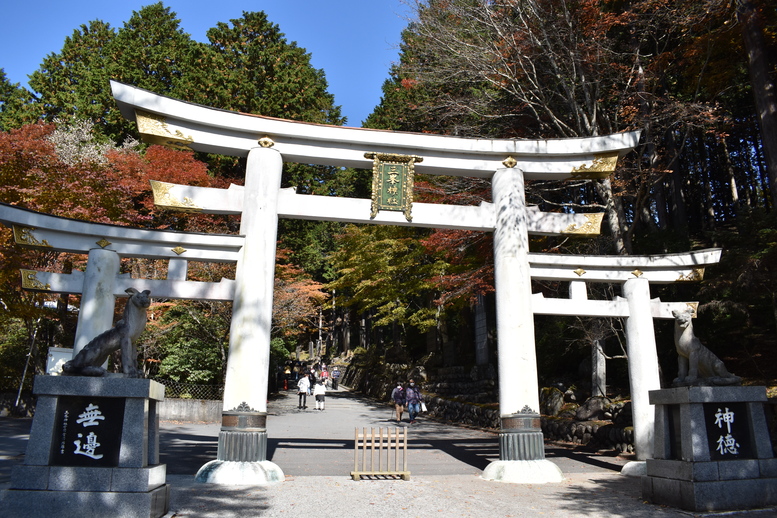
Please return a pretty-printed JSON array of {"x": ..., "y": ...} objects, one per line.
[
  {"x": 728, "y": 433},
  {"x": 392, "y": 183},
  {"x": 88, "y": 431},
  {"x": 90, "y": 416},
  {"x": 727, "y": 444},
  {"x": 88, "y": 447}
]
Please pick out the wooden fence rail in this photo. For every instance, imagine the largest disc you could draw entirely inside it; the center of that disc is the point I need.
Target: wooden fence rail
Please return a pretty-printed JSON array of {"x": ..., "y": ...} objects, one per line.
[{"x": 388, "y": 446}]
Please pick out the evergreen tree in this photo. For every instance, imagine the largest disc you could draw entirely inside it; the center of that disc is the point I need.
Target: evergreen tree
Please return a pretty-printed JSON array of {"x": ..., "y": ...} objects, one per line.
[
  {"x": 151, "y": 51},
  {"x": 264, "y": 74},
  {"x": 15, "y": 104},
  {"x": 75, "y": 81}
]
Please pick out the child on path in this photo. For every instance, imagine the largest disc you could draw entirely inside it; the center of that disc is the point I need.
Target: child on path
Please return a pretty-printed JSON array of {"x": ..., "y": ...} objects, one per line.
[
  {"x": 303, "y": 387},
  {"x": 319, "y": 392}
]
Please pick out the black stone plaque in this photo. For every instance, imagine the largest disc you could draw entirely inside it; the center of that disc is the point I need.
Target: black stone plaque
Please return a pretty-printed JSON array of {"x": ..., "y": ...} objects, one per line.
[
  {"x": 87, "y": 431},
  {"x": 728, "y": 431}
]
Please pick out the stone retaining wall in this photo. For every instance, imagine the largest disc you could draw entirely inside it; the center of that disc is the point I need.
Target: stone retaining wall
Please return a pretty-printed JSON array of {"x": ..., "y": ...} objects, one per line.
[
  {"x": 190, "y": 410},
  {"x": 598, "y": 434},
  {"x": 477, "y": 416}
]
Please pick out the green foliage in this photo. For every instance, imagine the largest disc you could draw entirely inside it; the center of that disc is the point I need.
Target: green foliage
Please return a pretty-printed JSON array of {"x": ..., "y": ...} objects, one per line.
[
  {"x": 247, "y": 66},
  {"x": 258, "y": 71},
  {"x": 15, "y": 104},
  {"x": 279, "y": 353},
  {"x": 385, "y": 270},
  {"x": 14, "y": 346},
  {"x": 190, "y": 341},
  {"x": 310, "y": 244},
  {"x": 154, "y": 50},
  {"x": 74, "y": 81}
]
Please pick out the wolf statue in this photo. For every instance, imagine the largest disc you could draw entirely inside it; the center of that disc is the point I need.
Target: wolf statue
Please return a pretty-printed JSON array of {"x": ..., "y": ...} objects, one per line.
[
  {"x": 89, "y": 360},
  {"x": 696, "y": 365}
]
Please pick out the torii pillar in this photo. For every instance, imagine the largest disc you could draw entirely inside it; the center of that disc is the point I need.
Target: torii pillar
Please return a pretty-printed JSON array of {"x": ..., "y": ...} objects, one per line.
[
  {"x": 521, "y": 447},
  {"x": 242, "y": 448},
  {"x": 643, "y": 363},
  {"x": 97, "y": 299}
]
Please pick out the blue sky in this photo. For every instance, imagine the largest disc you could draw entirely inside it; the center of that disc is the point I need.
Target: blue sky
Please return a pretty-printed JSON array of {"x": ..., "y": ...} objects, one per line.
[{"x": 353, "y": 41}]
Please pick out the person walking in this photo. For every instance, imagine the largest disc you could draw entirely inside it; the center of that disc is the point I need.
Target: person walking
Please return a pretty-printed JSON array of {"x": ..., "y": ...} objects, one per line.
[
  {"x": 319, "y": 392},
  {"x": 398, "y": 397},
  {"x": 414, "y": 399},
  {"x": 335, "y": 378},
  {"x": 303, "y": 388}
]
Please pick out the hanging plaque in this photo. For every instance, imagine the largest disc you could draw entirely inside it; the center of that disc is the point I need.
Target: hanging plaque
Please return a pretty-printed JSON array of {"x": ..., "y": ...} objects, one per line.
[{"x": 392, "y": 183}]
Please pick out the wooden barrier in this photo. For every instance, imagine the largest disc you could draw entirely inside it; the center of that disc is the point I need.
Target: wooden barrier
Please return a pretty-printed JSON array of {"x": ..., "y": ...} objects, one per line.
[{"x": 371, "y": 444}]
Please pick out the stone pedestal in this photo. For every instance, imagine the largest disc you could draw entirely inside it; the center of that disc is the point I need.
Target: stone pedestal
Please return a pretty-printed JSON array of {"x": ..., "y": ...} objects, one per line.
[
  {"x": 242, "y": 452},
  {"x": 522, "y": 453},
  {"x": 93, "y": 451},
  {"x": 712, "y": 450}
]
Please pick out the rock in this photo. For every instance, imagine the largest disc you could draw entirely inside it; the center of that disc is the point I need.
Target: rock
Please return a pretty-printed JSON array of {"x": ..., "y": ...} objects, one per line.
[
  {"x": 593, "y": 409},
  {"x": 551, "y": 401},
  {"x": 623, "y": 416},
  {"x": 568, "y": 410}
]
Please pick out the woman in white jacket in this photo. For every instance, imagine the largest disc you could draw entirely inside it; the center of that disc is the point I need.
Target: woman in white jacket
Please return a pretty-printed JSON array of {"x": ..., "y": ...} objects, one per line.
[{"x": 303, "y": 388}]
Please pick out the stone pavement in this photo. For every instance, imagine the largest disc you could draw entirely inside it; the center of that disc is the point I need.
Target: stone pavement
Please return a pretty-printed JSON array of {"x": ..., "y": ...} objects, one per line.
[{"x": 315, "y": 451}]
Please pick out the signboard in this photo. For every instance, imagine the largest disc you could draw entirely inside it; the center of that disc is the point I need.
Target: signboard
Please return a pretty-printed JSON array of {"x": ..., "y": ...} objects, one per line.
[
  {"x": 88, "y": 431},
  {"x": 392, "y": 182}
]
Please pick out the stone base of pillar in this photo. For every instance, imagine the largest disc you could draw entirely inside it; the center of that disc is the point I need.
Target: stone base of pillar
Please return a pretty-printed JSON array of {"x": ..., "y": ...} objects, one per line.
[
  {"x": 242, "y": 446},
  {"x": 232, "y": 473},
  {"x": 242, "y": 453},
  {"x": 634, "y": 468},
  {"x": 522, "y": 453},
  {"x": 523, "y": 472},
  {"x": 520, "y": 437}
]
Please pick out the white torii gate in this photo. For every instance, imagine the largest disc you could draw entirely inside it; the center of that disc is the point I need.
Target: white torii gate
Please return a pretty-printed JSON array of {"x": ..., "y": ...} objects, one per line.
[
  {"x": 268, "y": 142},
  {"x": 242, "y": 440}
]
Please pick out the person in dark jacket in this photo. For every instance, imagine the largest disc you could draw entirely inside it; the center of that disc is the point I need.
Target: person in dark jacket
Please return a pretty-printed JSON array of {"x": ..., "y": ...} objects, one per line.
[
  {"x": 398, "y": 397},
  {"x": 414, "y": 398}
]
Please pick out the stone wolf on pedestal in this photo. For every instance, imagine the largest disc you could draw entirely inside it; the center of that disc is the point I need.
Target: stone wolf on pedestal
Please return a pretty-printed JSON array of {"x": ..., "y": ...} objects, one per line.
[
  {"x": 697, "y": 365},
  {"x": 89, "y": 360}
]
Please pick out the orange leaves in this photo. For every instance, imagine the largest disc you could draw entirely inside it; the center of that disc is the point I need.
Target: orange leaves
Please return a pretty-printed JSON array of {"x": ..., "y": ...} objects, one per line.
[
  {"x": 116, "y": 190},
  {"x": 408, "y": 83},
  {"x": 297, "y": 298}
]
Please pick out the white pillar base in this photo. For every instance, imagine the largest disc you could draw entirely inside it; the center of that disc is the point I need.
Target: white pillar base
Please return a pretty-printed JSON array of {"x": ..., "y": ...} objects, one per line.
[
  {"x": 523, "y": 472},
  {"x": 634, "y": 468},
  {"x": 231, "y": 473}
]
